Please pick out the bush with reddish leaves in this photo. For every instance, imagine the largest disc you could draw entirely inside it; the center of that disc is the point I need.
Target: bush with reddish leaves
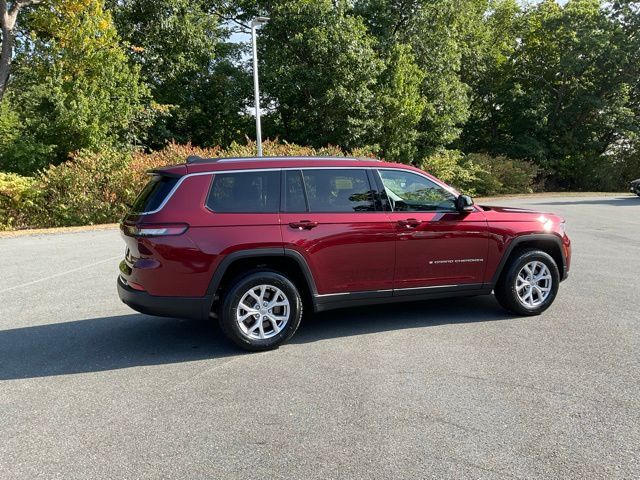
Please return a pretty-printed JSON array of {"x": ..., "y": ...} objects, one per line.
[{"x": 94, "y": 188}]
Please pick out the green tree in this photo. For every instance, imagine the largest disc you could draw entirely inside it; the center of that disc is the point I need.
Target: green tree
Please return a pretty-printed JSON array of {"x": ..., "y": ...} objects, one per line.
[
  {"x": 360, "y": 72},
  {"x": 437, "y": 33},
  {"x": 181, "y": 50},
  {"x": 486, "y": 68},
  {"x": 9, "y": 12},
  {"x": 401, "y": 105},
  {"x": 319, "y": 72},
  {"x": 564, "y": 95},
  {"x": 625, "y": 151},
  {"x": 74, "y": 88}
]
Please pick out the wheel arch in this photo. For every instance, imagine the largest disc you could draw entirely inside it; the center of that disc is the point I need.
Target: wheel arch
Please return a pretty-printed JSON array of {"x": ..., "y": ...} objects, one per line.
[
  {"x": 549, "y": 243},
  {"x": 285, "y": 261}
]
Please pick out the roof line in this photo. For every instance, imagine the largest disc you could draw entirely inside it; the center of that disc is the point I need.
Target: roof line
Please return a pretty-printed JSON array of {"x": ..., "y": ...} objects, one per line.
[{"x": 196, "y": 159}]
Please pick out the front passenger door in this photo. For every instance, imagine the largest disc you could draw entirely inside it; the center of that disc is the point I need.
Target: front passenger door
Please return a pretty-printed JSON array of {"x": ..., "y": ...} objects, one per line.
[{"x": 435, "y": 244}]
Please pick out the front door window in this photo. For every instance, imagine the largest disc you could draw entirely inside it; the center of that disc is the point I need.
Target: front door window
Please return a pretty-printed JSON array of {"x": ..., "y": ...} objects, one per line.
[{"x": 410, "y": 192}]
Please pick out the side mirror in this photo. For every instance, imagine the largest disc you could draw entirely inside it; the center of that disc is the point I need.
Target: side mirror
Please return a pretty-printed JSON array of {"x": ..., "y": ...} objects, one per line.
[{"x": 464, "y": 203}]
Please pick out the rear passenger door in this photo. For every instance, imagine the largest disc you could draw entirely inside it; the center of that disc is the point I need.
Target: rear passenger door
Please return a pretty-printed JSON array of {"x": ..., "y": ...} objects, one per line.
[
  {"x": 245, "y": 204},
  {"x": 332, "y": 217}
]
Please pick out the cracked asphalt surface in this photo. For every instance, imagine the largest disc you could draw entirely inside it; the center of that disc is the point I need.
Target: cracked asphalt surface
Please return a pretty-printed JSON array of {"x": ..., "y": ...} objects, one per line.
[{"x": 440, "y": 389}]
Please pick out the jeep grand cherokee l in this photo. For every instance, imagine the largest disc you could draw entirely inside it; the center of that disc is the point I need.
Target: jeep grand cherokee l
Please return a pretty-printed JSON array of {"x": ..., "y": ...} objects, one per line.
[{"x": 252, "y": 241}]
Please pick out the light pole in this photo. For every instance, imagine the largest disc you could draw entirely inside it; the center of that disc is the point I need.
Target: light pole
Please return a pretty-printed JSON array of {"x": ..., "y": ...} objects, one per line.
[{"x": 255, "y": 23}]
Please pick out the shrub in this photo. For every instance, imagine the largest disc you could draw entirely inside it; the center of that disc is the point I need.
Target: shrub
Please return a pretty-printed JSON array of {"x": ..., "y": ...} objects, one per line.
[
  {"x": 93, "y": 188},
  {"x": 89, "y": 189},
  {"x": 481, "y": 174},
  {"x": 501, "y": 175},
  {"x": 454, "y": 168},
  {"x": 19, "y": 201}
]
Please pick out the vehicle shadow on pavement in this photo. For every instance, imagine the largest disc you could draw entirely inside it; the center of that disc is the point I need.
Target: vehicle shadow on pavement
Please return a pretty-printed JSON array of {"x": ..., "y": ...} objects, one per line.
[
  {"x": 124, "y": 341},
  {"x": 108, "y": 343},
  {"x": 398, "y": 316}
]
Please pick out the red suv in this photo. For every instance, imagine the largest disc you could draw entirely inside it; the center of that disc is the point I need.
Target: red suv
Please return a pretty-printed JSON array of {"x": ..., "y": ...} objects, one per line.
[{"x": 251, "y": 241}]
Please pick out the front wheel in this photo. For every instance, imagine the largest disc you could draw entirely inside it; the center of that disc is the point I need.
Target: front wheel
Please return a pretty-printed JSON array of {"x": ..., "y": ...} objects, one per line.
[
  {"x": 530, "y": 283},
  {"x": 261, "y": 311}
]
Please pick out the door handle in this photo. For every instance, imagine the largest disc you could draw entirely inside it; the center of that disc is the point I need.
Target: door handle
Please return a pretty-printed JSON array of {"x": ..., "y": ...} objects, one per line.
[
  {"x": 409, "y": 223},
  {"x": 304, "y": 225}
]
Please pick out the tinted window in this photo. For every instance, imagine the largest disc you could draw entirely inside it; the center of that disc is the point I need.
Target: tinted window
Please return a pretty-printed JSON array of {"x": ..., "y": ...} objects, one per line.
[
  {"x": 410, "y": 192},
  {"x": 338, "y": 191},
  {"x": 249, "y": 192},
  {"x": 153, "y": 194},
  {"x": 294, "y": 200}
]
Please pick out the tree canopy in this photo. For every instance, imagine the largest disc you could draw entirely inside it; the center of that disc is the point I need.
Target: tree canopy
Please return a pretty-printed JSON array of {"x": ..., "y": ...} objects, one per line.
[
  {"x": 73, "y": 87},
  {"x": 555, "y": 84}
]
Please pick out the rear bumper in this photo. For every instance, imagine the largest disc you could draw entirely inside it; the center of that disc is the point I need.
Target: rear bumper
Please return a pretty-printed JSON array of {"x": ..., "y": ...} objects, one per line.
[
  {"x": 178, "y": 307},
  {"x": 566, "y": 257}
]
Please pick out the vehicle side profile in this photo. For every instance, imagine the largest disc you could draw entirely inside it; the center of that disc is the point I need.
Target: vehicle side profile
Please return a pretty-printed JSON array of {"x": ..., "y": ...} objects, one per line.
[{"x": 252, "y": 242}]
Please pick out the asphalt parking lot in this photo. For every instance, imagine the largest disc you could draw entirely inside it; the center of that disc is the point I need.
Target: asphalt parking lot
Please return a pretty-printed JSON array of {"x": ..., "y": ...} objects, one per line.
[{"x": 441, "y": 389}]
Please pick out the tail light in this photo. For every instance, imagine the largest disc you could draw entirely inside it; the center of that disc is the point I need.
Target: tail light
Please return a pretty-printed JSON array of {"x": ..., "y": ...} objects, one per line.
[{"x": 155, "y": 230}]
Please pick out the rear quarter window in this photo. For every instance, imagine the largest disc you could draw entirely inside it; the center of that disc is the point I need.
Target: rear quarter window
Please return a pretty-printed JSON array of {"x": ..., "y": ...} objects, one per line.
[{"x": 154, "y": 193}]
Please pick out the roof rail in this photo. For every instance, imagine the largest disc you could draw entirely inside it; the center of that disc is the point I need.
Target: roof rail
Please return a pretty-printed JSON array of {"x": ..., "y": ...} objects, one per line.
[{"x": 197, "y": 159}]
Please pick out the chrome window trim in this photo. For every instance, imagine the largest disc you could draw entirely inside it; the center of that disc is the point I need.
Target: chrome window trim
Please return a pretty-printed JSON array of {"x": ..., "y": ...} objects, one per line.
[{"x": 247, "y": 170}]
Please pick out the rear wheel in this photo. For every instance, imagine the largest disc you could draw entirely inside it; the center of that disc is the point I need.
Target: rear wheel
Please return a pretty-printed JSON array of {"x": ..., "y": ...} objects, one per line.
[
  {"x": 529, "y": 284},
  {"x": 261, "y": 311}
]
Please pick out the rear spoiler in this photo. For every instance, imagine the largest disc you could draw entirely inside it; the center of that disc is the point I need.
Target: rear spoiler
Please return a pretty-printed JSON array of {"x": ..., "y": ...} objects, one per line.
[
  {"x": 164, "y": 173},
  {"x": 198, "y": 159}
]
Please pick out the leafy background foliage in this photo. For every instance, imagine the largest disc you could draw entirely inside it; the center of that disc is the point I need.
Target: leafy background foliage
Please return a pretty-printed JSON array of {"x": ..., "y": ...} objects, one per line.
[
  {"x": 494, "y": 96},
  {"x": 94, "y": 188}
]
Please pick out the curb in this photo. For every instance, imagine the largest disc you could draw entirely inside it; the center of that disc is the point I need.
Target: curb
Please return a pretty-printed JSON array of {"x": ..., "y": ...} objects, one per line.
[{"x": 56, "y": 230}]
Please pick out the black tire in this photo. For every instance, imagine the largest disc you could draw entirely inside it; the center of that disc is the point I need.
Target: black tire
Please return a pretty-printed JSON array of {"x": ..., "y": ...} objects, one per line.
[
  {"x": 227, "y": 317},
  {"x": 505, "y": 290}
]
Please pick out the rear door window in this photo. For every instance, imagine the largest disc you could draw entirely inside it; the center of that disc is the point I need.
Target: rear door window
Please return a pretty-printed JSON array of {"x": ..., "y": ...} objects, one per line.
[
  {"x": 245, "y": 192},
  {"x": 294, "y": 199},
  {"x": 154, "y": 193},
  {"x": 338, "y": 190}
]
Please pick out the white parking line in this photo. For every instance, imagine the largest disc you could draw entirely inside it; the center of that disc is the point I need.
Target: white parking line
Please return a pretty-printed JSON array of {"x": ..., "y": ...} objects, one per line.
[{"x": 15, "y": 287}]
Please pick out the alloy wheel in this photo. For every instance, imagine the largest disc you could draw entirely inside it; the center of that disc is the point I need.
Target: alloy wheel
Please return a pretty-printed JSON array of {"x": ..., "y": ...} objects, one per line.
[
  {"x": 263, "y": 312},
  {"x": 533, "y": 284}
]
